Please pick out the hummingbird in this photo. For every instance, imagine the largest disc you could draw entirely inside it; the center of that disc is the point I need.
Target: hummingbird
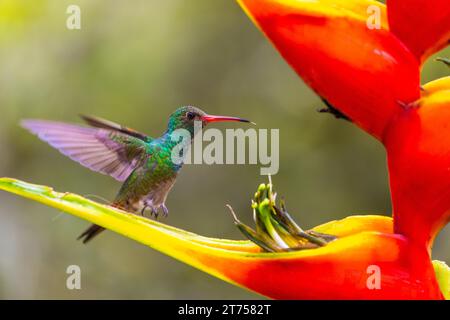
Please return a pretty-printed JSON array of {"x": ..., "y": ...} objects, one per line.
[{"x": 142, "y": 163}]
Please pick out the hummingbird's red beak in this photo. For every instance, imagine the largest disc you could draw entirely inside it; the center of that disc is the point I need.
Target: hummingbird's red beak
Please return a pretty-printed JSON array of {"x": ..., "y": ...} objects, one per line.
[{"x": 210, "y": 118}]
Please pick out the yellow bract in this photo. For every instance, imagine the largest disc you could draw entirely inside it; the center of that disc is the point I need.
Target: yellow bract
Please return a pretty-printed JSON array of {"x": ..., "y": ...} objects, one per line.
[{"x": 209, "y": 254}]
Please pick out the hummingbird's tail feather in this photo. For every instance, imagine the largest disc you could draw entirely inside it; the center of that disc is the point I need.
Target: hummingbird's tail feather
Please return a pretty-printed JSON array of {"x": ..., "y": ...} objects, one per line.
[{"x": 90, "y": 233}]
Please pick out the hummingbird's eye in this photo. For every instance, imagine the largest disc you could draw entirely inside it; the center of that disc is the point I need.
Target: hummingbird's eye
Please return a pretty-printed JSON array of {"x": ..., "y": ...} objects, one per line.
[{"x": 190, "y": 115}]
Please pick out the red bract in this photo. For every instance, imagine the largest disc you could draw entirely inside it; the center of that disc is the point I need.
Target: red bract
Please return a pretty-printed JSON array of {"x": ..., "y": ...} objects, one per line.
[
  {"x": 365, "y": 73},
  {"x": 418, "y": 146},
  {"x": 343, "y": 269},
  {"x": 423, "y": 25}
]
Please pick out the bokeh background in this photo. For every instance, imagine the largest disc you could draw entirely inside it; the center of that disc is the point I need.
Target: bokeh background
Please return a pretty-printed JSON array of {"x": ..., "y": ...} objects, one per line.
[{"x": 134, "y": 62}]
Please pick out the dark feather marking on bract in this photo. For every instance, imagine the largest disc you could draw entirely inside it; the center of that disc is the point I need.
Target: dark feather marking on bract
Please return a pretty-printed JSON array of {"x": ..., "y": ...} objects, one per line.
[{"x": 332, "y": 110}]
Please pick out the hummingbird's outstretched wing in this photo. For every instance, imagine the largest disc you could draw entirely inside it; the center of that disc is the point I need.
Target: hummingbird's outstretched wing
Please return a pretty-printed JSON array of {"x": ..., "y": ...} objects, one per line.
[{"x": 108, "y": 148}]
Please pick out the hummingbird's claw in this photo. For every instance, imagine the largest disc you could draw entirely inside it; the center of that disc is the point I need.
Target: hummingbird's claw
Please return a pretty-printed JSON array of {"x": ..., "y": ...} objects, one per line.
[
  {"x": 165, "y": 210},
  {"x": 153, "y": 211}
]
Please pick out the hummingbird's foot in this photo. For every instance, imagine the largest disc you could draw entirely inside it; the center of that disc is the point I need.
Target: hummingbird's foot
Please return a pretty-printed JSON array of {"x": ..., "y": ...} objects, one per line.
[
  {"x": 165, "y": 210},
  {"x": 155, "y": 210}
]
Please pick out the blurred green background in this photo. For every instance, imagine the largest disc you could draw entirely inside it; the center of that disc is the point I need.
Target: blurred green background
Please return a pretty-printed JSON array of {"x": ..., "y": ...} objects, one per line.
[{"x": 134, "y": 62}]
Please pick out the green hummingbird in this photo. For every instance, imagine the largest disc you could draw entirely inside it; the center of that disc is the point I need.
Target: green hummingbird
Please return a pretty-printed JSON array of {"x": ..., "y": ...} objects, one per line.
[{"x": 143, "y": 164}]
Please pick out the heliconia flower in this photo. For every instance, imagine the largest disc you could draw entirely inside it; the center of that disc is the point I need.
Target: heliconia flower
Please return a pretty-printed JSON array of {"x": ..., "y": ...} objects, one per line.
[
  {"x": 365, "y": 73},
  {"x": 371, "y": 76},
  {"x": 367, "y": 261}
]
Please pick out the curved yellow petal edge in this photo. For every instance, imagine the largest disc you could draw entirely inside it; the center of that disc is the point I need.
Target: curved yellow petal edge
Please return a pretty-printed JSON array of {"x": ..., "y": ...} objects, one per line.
[
  {"x": 443, "y": 276},
  {"x": 436, "y": 92},
  {"x": 362, "y": 239},
  {"x": 441, "y": 84},
  {"x": 347, "y": 9},
  {"x": 132, "y": 226}
]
